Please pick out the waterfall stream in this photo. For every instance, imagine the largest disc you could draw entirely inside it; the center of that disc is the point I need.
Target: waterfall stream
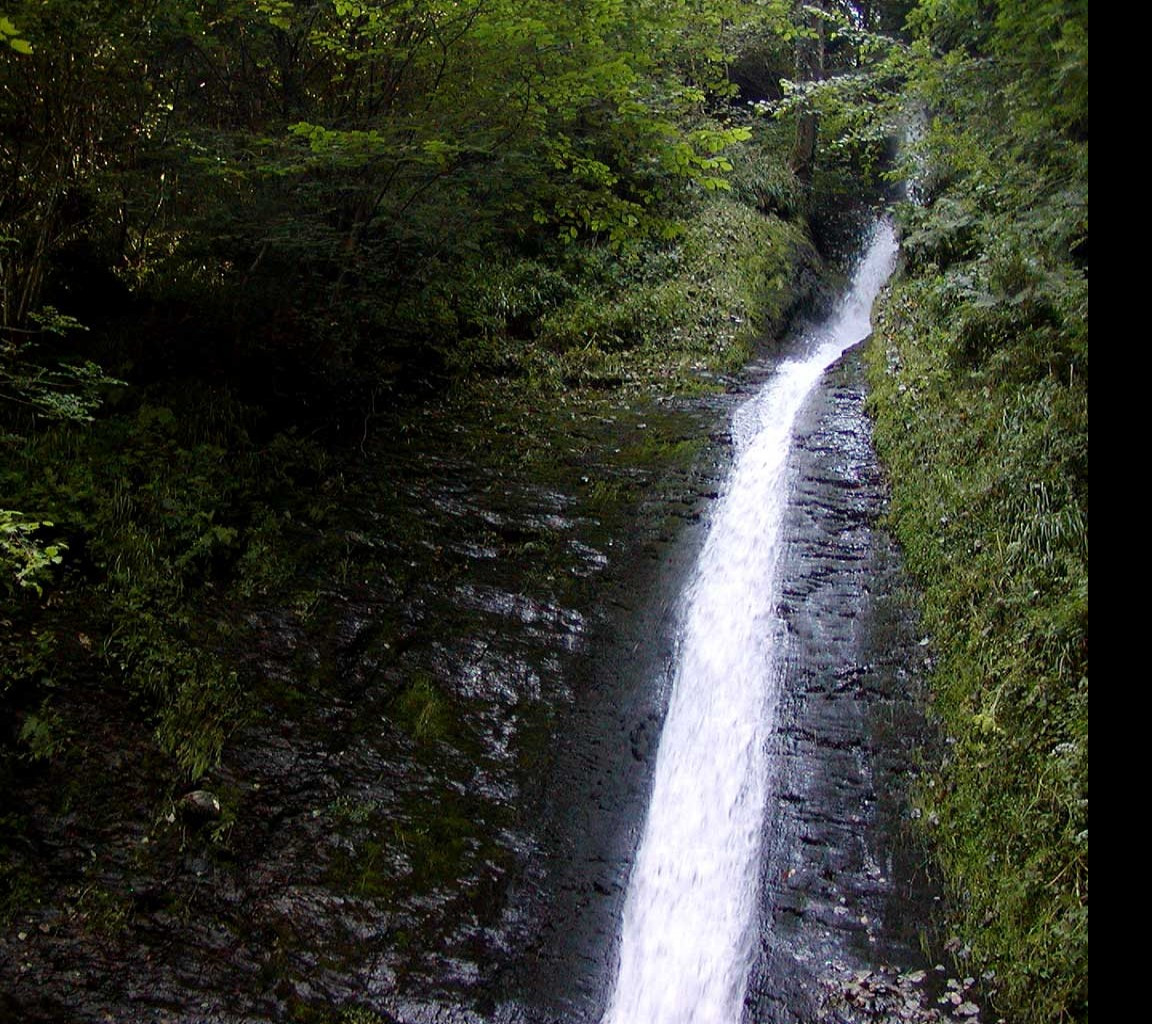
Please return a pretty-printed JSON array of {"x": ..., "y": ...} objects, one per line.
[{"x": 690, "y": 912}]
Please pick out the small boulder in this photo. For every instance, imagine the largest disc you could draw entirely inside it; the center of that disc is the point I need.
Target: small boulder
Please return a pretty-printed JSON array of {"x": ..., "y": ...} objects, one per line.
[{"x": 200, "y": 805}]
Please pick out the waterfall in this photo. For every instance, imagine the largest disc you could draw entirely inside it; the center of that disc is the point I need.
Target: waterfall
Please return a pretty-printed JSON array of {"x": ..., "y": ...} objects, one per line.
[{"x": 690, "y": 912}]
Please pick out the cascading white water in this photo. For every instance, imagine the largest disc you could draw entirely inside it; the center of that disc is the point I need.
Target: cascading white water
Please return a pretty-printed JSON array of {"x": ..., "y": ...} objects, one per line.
[{"x": 690, "y": 911}]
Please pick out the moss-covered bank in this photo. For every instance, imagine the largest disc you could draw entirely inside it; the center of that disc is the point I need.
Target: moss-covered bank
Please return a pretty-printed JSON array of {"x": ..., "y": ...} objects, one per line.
[
  {"x": 980, "y": 375},
  {"x": 988, "y": 463}
]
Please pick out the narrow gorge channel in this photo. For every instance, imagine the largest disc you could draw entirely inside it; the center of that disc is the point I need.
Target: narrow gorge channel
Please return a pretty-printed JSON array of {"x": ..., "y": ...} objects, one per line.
[
  {"x": 691, "y": 914},
  {"x": 769, "y": 879}
]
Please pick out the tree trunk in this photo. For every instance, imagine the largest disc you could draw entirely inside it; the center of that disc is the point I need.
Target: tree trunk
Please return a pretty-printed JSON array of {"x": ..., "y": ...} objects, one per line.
[{"x": 809, "y": 68}]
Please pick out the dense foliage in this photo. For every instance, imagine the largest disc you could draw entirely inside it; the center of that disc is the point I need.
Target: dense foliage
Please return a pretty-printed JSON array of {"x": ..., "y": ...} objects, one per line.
[
  {"x": 981, "y": 393},
  {"x": 237, "y": 238}
]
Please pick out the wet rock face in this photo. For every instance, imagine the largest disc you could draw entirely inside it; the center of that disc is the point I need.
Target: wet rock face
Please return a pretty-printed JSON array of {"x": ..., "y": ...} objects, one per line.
[
  {"x": 441, "y": 714},
  {"x": 842, "y": 887}
]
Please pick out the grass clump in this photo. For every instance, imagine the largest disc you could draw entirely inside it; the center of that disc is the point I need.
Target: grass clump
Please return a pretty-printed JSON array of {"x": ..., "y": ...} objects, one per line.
[{"x": 422, "y": 710}]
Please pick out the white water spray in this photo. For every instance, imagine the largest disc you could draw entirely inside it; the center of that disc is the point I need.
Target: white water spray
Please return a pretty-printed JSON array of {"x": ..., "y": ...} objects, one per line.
[{"x": 690, "y": 912}]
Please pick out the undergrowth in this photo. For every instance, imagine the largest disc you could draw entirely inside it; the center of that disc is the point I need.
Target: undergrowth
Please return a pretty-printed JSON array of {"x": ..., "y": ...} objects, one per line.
[
  {"x": 980, "y": 373},
  {"x": 662, "y": 315},
  {"x": 982, "y": 419}
]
